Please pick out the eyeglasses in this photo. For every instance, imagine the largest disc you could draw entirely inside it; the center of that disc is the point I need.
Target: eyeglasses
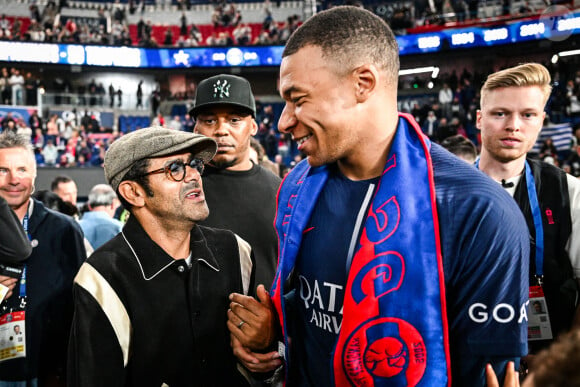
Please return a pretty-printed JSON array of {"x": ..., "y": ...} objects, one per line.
[{"x": 176, "y": 170}]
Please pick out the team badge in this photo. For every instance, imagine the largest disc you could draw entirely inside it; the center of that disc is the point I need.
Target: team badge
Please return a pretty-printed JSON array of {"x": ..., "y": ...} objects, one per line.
[{"x": 385, "y": 350}]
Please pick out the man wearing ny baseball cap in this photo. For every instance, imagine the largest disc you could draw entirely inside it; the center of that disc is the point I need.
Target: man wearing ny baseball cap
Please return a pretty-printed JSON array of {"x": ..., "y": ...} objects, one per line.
[
  {"x": 241, "y": 194},
  {"x": 150, "y": 304}
]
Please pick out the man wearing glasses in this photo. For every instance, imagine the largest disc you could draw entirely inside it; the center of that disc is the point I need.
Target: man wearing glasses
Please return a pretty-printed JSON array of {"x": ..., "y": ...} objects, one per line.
[{"x": 150, "y": 305}]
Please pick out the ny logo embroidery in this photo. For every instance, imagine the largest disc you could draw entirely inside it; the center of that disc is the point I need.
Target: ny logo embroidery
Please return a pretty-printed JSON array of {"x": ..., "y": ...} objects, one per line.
[{"x": 221, "y": 90}]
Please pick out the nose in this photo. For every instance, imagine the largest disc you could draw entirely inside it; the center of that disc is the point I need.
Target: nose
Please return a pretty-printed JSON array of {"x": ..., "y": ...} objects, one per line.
[
  {"x": 13, "y": 178},
  {"x": 223, "y": 128},
  {"x": 514, "y": 123},
  {"x": 287, "y": 120},
  {"x": 192, "y": 173}
]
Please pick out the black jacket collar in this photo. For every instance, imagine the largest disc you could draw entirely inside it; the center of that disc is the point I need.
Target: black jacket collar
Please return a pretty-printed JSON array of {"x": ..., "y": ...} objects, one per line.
[{"x": 153, "y": 259}]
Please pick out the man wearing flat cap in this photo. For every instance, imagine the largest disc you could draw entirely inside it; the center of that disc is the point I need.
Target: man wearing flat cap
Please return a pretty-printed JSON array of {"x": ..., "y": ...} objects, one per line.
[
  {"x": 241, "y": 195},
  {"x": 150, "y": 304}
]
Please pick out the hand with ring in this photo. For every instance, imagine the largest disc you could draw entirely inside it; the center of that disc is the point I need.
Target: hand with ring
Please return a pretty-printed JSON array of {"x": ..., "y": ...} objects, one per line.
[{"x": 258, "y": 315}]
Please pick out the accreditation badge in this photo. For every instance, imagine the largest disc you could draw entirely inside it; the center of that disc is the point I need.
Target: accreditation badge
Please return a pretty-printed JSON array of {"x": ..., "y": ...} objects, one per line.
[
  {"x": 538, "y": 318},
  {"x": 12, "y": 336}
]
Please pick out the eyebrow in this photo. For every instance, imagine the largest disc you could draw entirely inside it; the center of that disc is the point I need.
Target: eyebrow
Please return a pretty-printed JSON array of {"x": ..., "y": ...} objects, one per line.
[{"x": 292, "y": 89}]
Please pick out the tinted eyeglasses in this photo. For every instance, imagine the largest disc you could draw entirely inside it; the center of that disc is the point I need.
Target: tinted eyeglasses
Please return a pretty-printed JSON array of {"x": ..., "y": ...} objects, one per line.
[{"x": 176, "y": 169}]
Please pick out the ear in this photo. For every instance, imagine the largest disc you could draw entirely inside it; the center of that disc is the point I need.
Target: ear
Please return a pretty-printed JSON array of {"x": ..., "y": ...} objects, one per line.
[
  {"x": 366, "y": 81},
  {"x": 133, "y": 193},
  {"x": 478, "y": 120},
  {"x": 254, "y": 128}
]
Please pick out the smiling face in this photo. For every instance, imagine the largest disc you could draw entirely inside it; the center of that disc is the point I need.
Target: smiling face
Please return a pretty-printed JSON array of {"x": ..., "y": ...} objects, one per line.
[
  {"x": 232, "y": 130},
  {"x": 17, "y": 174},
  {"x": 175, "y": 201},
  {"x": 320, "y": 110},
  {"x": 510, "y": 120}
]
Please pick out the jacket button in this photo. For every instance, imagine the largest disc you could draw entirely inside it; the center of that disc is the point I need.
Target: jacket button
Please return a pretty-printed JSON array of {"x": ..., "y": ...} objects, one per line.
[{"x": 181, "y": 269}]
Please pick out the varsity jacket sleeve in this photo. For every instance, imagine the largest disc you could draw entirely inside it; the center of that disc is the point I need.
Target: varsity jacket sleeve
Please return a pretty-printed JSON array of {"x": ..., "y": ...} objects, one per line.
[
  {"x": 99, "y": 340},
  {"x": 573, "y": 245},
  {"x": 247, "y": 266}
]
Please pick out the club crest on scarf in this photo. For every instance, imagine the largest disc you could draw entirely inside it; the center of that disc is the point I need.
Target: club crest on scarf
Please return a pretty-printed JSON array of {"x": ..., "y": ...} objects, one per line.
[
  {"x": 370, "y": 357},
  {"x": 382, "y": 348}
]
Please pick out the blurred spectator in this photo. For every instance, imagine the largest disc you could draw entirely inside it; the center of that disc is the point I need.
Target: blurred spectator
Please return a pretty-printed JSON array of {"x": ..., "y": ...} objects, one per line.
[
  {"x": 430, "y": 125},
  {"x": 159, "y": 120},
  {"x": 50, "y": 153},
  {"x": 572, "y": 164},
  {"x": 195, "y": 37},
  {"x": 271, "y": 143},
  {"x": 5, "y": 27},
  {"x": 5, "y": 89},
  {"x": 258, "y": 156},
  {"x": 175, "y": 123},
  {"x": 548, "y": 149},
  {"x": 112, "y": 94},
  {"x": 183, "y": 25},
  {"x": 10, "y": 126},
  {"x": 98, "y": 223},
  {"x": 242, "y": 35},
  {"x": 65, "y": 188},
  {"x": 155, "y": 101},
  {"x": 6, "y": 120},
  {"x": 461, "y": 147},
  {"x": 31, "y": 86},
  {"x": 38, "y": 139},
  {"x": 16, "y": 82},
  {"x": 34, "y": 13},
  {"x": 168, "y": 40},
  {"x": 282, "y": 168},
  {"x": 98, "y": 155},
  {"x": 119, "y": 97},
  {"x": 445, "y": 99},
  {"x": 34, "y": 121},
  {"x": 139, "y": 95},
  {"x": 188, "y": 123},
  {"x": 23, "y": 130},
  {"x": 573, "y": 109}
]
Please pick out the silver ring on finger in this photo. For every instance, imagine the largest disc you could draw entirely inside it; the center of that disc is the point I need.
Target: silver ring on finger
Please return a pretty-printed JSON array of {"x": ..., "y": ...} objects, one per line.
[{"x": 240, "y": 324}]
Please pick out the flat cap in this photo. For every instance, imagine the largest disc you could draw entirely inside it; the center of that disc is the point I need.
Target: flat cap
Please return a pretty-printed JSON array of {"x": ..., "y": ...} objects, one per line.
[
  {"x": 152, "y": 142},
  {"x": 224, "y": 89}
]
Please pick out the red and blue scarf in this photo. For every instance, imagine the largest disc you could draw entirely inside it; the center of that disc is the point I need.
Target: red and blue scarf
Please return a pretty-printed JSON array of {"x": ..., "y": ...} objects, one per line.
[{"x": 394, "y": 328}]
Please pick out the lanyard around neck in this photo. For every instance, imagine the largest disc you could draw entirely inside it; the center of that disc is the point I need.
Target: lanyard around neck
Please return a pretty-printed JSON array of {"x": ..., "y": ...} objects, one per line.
[
  {"x": 536, "y": 216},
  {"x": 23, "y": 277}
]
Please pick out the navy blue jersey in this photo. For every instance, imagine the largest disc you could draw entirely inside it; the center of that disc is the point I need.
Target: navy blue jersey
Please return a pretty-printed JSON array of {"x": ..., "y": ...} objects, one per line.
[{"x": 486, "y": 294}]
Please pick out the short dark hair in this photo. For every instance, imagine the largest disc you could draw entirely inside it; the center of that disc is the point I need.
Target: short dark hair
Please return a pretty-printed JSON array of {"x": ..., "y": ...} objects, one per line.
[
  {"x": 349, "y": 36},
  {"x": 136, "y": 174},
  {"x": 59, "y": 179},
  {"x": 460, "y": 146}
]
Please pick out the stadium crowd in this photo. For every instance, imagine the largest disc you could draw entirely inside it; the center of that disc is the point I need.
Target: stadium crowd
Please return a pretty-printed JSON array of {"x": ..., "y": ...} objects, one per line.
[
  {"x": 446, "y": 109},
  {"x": 225, "y": 25}
]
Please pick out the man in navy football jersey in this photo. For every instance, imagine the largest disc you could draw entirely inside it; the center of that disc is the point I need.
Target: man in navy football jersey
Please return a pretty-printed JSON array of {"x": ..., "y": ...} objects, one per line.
[{"x": 394, "y": 264}]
